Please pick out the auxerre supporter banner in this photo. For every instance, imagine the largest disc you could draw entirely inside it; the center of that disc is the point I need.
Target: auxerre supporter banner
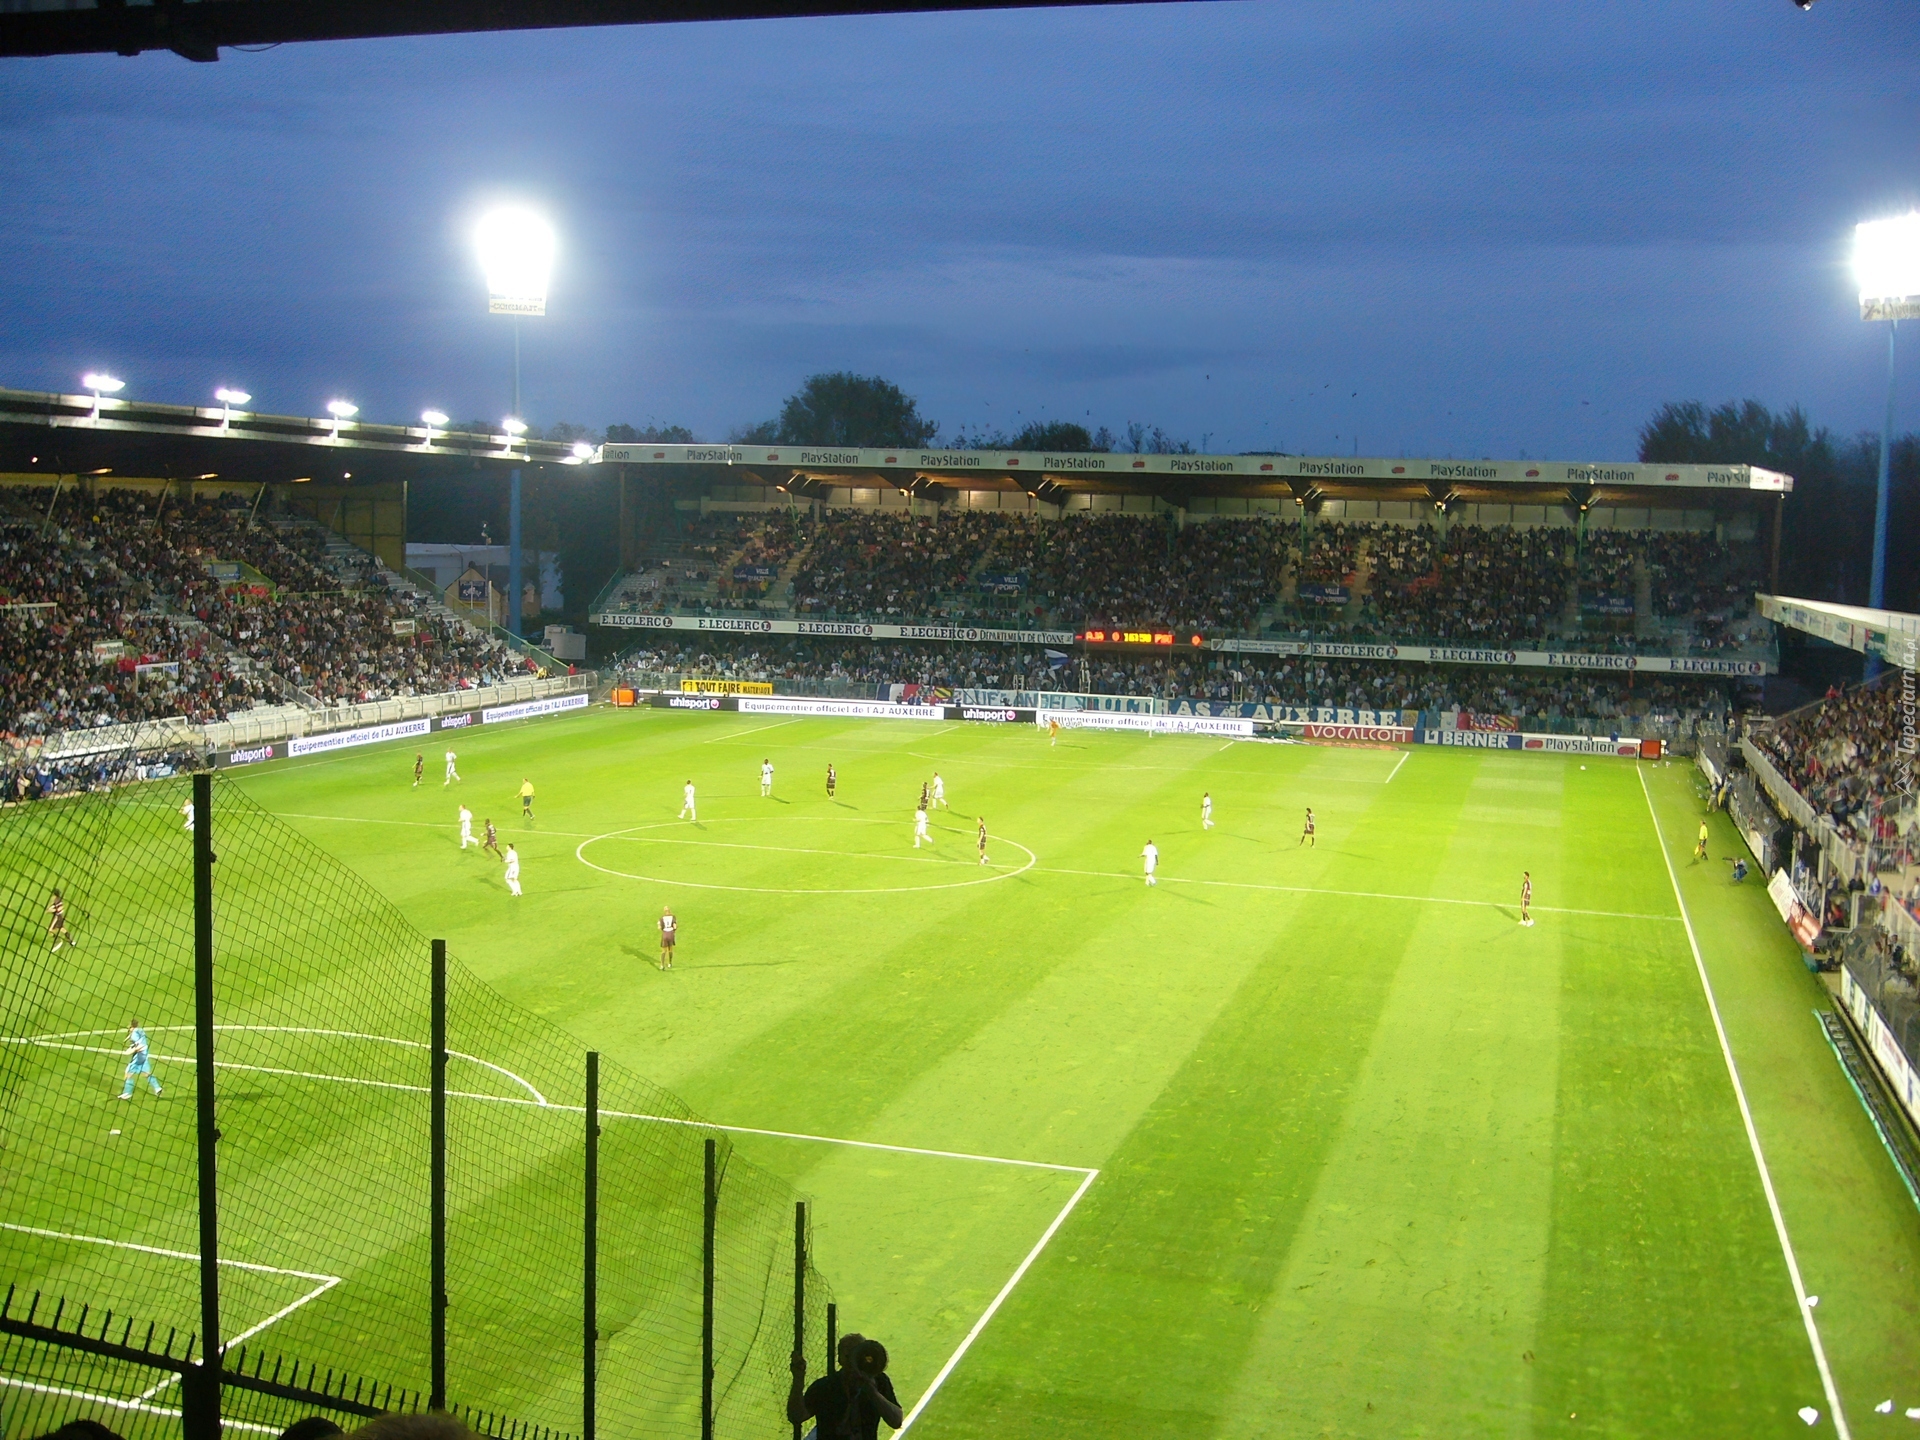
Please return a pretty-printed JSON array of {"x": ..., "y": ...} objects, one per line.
[
  {"x": 838, "y": 709},
  {"x": 553, "y": 705},
  {"x": 1294, "y": 714},
  {"x": 365, "y": 735},
  {"x": 1146, "y": 724},
  {"x": 1544, "y": 744}
]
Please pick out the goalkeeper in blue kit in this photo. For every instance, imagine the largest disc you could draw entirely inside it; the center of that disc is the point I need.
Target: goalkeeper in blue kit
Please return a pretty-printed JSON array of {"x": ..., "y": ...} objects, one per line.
[{"x": 139, "y": 1062}]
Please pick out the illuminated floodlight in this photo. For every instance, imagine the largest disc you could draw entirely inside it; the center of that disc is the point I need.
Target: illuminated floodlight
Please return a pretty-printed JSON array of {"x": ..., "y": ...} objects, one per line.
[
  {"x": 431, "y": 418},
  {"x": 1886, "y": 262},
  {"x": 228, "y": 398},
  {"x": 516, "y": 249},
  {"x": 515, "y": 428},
  {"x": 341, "y": 410},
  {"x": 582, "y": 450},
  {"x": 101, "y": 383}
]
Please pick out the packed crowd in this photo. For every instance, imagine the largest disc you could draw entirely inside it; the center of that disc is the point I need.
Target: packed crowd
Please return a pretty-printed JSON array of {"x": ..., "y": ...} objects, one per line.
[
  {"x": 1522, "y": 697},
  {"x": 1842, "y": 754},
  {"x": 1492, "y": 587},
  {"x": 894, "y": 565},
  {"x": 110, "y": 613},
  {"x": 1479, "y": 586}
]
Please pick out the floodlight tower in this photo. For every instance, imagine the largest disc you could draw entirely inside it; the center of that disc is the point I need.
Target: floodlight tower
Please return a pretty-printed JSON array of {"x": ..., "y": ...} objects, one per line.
[
  {"x": 1886, "y": 262},
  {"x": 516, "y": 251}
]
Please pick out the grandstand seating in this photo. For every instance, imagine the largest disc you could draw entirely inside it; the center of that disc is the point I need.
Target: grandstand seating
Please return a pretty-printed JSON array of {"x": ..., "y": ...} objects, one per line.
[
  {"x": 113, "y": 615},
  {"x": 1648, "y": 591}
]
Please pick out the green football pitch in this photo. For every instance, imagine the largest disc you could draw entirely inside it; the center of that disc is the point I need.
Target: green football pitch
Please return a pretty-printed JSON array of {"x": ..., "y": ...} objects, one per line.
[{"x": 1300, "y": 1141}]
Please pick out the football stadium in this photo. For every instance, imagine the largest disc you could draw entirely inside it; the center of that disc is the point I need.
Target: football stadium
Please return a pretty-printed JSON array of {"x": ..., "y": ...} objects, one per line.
[{"x": 1152, "y": 943}]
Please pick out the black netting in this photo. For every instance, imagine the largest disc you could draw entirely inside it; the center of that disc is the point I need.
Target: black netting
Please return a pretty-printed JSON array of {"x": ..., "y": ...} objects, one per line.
[{"x": 322, "y": 1041}]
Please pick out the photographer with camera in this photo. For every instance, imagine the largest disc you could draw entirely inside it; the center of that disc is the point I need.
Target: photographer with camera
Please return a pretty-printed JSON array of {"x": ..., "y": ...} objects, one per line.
[{"x": 850, "y": 1403}]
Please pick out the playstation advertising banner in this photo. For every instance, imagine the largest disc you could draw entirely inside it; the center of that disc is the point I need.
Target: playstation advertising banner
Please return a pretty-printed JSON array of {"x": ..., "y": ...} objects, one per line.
[
  {"x": 1544, "y": 744},
  {"x": 1037, "y": 463}
]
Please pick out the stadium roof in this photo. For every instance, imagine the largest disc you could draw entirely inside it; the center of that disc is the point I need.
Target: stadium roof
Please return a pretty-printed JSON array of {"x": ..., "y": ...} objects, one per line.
[
  {"x": 196, "y": 29},
  {"x": 1051, "y": 476},
  {"x": 63, "y": 434},
  {"x": 1893, "y": 634}
]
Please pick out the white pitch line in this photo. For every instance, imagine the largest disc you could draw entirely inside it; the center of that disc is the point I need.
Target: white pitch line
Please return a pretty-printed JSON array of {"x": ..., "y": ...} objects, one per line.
[
  {"x": 120, "y": 1404},
  {"x": 1354, "y": 894},
  {"x": 1005, "y": 1290},
  {"x": 1753, "y": 1135},
  {"x": 1396, "y": 768},
  {"x": 755, "y": 730},
  {"x": 327, "y": 1282}
]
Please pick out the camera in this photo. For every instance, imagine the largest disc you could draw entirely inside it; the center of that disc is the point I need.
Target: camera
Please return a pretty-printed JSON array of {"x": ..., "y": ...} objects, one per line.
[{"x": 869, "y": 1358}]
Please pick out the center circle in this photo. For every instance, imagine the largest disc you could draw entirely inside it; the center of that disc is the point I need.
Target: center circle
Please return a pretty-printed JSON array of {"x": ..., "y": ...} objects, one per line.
[{"x": 677, "y": 855}]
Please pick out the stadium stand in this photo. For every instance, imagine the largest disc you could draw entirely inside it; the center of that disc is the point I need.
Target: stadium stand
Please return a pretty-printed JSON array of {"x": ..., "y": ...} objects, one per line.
[
  {"x": 1840, "y": 755},
  {"x": 111, "y": 611},
  {"x": 1616, "y": 590}
]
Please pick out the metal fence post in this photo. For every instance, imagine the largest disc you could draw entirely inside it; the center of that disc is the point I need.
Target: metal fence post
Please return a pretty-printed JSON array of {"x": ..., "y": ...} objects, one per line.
[
  {"x": 200, "y": 1389},
  {"x": 706, "y": 1298},
  {"x": 590, "y": 1270},
  {"x": 799, "y": 1287},
  {"x": 437, "y": 1183},
  {"x": 833, "y": 1335}
]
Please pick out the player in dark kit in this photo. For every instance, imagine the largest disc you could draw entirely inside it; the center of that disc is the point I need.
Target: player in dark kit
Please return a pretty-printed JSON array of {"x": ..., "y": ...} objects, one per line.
[
  {"x": 669, "y": 932},
  {"x": 983, "y": 839},
  {"x": 419, "y": 769},
  {"x": 57, "y": 930},
  {"x": 1526, "y": 896},
  {"x": 493, "y": 841},
  {"x": 831, "y": 779},
  {"x": 1306, "y": 835}
]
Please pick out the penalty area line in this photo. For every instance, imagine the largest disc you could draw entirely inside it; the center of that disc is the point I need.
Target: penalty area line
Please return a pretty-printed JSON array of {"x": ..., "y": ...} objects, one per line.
[
  {"x": 1396, "y": 768},
  {"x": 1753, "y": 1135},
  {"x": 998, "y": 1300}
]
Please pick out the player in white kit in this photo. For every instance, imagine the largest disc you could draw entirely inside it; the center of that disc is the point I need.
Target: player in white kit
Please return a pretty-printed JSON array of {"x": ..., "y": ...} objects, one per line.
[
  {"x": 452, "y": 773},
  {"x": 766, "y": 778},
  {"x": 939, "y": 790},
  {"x": 513, "y": 871},
  {"x": 187, "y": 810},
  {"x": 1206, "y": 811},
  {"x": 686, "y": 809},
  {"x": 466, "y": 827},
  {"x": 920, "y": 827},
  {"x": 1151, "y": 855}
]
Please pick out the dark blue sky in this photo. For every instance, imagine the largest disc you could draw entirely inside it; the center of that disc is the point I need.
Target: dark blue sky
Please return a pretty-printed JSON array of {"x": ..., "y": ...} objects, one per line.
[{"x": 1508, "y": 227}]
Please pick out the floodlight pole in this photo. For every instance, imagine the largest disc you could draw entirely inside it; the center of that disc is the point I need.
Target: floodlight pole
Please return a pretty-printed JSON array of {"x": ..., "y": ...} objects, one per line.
[
  {"x": 1877, "y": 592},
  {"x": 437, "y": 1182},
  {"x": 513, "y": 551}
]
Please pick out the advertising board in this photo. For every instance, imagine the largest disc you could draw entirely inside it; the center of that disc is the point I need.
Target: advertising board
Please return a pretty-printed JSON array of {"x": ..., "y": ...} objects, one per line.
[
  {"x": 364, "y": 735},
  {"x": 525, "y": 709}
]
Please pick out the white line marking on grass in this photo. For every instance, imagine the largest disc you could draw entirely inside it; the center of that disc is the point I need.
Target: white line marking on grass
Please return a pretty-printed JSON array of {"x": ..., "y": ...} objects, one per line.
[
  {"x": 751, "y": 730},
  {"x": 326, "y": 1283},
  {"x": 47, "y": 1042},
  {"x": 1088, "y": 1175},
  {"x": 1353, "y": 894},
  {"x": 1396, "y": 768},
  {"x": 119, "y": 1404},
  {"x": 994, "y": 872},
  {"x": 1753, "y": 1135},
  {"x": 1005, "y": 1290}
]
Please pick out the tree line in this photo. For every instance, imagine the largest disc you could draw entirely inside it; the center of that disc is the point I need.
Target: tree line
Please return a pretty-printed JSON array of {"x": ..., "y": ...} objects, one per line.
[{"x": 1827, "y": 552}]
